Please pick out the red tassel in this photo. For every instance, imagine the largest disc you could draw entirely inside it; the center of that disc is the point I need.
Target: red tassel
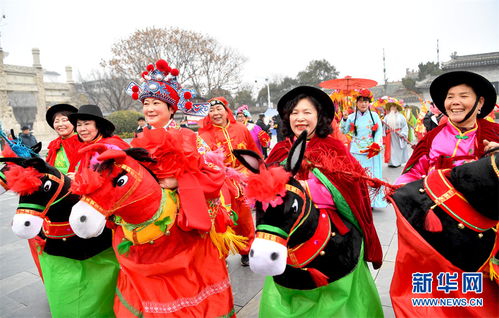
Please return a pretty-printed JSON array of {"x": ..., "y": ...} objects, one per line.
[
  {"x": 319, "y": 278},
  {"x": 432, "y": 222}
]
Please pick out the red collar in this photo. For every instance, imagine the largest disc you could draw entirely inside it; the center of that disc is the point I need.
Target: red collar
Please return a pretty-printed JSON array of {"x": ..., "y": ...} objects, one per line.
[
  {"x": 441, "y": 191},
  {"x": 301, "y": 255},
  {"x": 57, "y": 230}
]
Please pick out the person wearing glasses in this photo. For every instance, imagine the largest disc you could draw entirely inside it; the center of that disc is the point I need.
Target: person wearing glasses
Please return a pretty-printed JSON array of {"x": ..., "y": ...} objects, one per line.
[{"x": 220, "y": 130}]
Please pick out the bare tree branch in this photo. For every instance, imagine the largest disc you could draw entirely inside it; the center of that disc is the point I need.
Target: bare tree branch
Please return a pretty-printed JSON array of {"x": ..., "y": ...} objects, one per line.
[{"x": 204, "y": 64}]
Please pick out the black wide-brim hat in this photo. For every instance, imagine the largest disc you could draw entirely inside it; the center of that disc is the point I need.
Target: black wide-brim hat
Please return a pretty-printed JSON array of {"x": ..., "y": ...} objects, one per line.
[
  {"x": 482, "y": 87},
  {"x": 91, "y": 112},
  {"x": 49, "y": 116},
  {"x": 319, "y": 95}
]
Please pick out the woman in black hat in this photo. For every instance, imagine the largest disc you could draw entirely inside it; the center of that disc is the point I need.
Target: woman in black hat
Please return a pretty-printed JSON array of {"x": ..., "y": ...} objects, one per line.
[
  {"x": 92, "y": 128},
  {"x": 334, "y": 179},
  {"x": 465, "y": 98},
  {"x": 63, "y": 151}
]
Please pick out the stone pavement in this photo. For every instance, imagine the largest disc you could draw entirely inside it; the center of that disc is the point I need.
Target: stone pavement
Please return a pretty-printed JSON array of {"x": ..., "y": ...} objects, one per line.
[{"x": 22, "y": 294}]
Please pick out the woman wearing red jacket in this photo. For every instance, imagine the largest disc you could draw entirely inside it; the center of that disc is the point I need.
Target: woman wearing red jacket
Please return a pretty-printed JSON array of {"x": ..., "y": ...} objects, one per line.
[{"x": 63, "y": 151}]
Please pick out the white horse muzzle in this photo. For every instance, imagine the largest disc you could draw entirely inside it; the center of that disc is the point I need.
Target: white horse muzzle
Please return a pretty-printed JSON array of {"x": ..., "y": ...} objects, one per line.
[
  {"x": 26, "y": 226},
  {"x": 267, "y": 257},
  {"x": 86, "y": 221}
]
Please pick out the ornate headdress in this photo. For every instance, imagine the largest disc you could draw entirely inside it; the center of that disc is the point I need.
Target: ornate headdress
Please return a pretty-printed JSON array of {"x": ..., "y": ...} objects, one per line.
[
  {"x": 387, "y": 102},
  {"x": 160, "y": 82},
  {"x": 244, "y": 110}
]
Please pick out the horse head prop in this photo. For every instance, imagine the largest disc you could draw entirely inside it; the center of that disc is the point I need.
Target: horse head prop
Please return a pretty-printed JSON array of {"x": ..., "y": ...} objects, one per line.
[
  {"x": 295, "y": 242},
  {"x": 42, "y": 189},
  {"x": 456, "y": 211},
  {"x": 116, "y": 185}
]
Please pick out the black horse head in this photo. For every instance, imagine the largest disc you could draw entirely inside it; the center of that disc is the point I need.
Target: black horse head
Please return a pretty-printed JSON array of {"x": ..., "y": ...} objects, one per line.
[
  {"x": 281, "y": 217},
  {"x": 45, "y": 202},
  {"x": 288, "y": 220},
  {"x": 478, "y": 182},
  {"x": 464, "y": 241}
]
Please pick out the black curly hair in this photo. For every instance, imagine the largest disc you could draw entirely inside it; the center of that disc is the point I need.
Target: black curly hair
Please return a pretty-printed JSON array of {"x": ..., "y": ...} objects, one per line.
[{"x": 323, "y": 128}]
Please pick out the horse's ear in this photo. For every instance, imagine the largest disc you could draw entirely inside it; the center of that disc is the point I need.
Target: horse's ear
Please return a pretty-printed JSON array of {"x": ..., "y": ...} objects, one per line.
[
  {"x": 100, "y": 148},
  {"x": 139, "y": 154},
  {"x": 249, "y": 159},
  {"x": 296, "y": 153},
  {"x": 36, "y": 148},
  {"x": 117, "y": 155},
  {"x": 15, "y": 160}
]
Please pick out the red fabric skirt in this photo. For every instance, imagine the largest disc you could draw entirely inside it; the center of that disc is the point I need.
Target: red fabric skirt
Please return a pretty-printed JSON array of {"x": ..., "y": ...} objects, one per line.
[
  {"x": 415, "y": 255},
  {"x": 179, "y": 275}
]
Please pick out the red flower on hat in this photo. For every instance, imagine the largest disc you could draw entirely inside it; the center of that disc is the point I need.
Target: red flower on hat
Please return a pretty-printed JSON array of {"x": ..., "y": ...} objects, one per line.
[{"x": 365, "y": 93}]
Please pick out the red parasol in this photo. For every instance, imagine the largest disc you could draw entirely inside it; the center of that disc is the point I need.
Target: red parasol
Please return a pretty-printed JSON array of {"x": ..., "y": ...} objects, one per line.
[{"x": 348, "y": 83}]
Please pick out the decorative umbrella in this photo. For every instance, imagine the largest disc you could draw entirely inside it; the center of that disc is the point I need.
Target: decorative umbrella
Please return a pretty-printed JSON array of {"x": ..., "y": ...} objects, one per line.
[{"x": 348, "y": 83}]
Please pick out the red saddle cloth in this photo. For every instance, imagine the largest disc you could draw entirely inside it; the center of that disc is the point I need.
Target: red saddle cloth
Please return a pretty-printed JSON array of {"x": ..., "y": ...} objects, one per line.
[{"x": 415, "y": 255}]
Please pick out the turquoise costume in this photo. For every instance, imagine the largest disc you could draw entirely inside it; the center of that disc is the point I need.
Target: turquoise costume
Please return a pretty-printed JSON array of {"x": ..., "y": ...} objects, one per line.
[{"x": 361, "y": 141}]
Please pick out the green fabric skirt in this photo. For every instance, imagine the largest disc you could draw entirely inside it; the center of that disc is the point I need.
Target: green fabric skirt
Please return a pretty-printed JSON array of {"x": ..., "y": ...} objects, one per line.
[
  {"x": 80, "y": 288},
  {"x": 354, "y": 295}
]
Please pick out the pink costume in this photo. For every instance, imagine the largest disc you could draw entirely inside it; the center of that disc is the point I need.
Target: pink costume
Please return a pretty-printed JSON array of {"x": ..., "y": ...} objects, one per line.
[
  {"x": 255, "y": 131},
  {"x": 449, "y": 142}
]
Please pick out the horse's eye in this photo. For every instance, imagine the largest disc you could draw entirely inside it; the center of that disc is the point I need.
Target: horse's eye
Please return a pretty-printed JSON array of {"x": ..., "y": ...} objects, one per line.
[
  {"x": 122, "y": 181},
  {"x": 47, "y": 185},
  {"x": 294, "y": 206}
]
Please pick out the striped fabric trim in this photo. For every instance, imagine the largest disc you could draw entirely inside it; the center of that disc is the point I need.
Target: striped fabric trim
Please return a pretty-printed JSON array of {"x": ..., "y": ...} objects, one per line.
[{"x": 174, "y": 306}]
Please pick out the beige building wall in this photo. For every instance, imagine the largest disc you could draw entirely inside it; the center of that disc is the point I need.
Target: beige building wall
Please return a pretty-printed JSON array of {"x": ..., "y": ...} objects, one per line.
[{"x": 25, "y": 96}]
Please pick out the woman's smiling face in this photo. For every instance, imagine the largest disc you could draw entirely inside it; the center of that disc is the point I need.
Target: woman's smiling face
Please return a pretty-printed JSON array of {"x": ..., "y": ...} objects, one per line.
[
  {"x": 86, "y": 129},
  {"x": 63, "y": 126},
  {"x": 156, "y": 112},
  {"x": 459, "y": 101},
  {"x": 303, "y": 117},
  {"x": 219, "y": 115}
]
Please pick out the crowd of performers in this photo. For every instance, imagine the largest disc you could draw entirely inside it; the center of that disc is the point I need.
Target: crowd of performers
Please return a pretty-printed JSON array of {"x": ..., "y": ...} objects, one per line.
[{"x": 145, "y": 268}]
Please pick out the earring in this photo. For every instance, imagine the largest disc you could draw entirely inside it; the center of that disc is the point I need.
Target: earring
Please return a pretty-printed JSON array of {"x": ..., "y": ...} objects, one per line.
[{"x": 479, "y": 111}]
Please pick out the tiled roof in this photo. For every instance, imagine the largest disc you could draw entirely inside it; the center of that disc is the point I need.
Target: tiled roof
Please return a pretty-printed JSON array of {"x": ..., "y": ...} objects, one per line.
[{"x": 473, "y": 60}]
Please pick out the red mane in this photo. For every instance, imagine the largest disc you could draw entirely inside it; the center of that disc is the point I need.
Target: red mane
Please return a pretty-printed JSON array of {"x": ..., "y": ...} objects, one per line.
[
  {"x": 86, "y": 181},
  {"x": 175, "y": 152},
  {"x": 24, "y": 181},
  {"x": 268, "y": 186}
]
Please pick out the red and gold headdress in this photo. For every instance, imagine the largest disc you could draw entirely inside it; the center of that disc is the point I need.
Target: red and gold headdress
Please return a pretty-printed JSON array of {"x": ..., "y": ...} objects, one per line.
[{"x": 160, "y": 82}]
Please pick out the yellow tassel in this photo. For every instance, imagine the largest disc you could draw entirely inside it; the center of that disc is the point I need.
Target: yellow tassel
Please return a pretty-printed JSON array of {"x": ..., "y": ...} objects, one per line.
[
  {"x": 227, "y": 242},
  {"x": 492, "y": 272}
]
